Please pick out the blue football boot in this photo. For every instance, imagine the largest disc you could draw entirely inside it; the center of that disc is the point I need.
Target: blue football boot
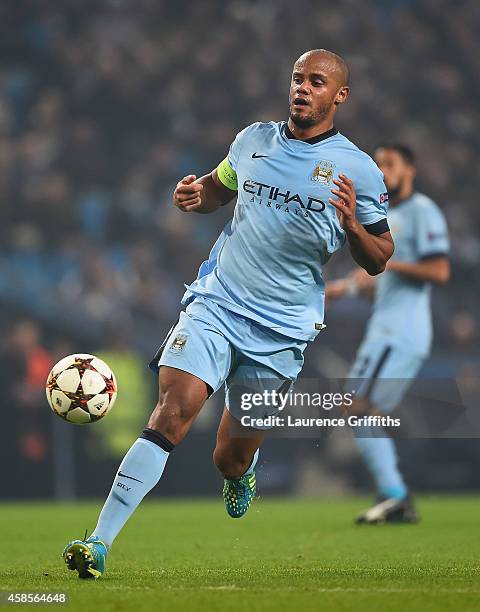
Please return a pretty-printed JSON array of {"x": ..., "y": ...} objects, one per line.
[
  {"x": 88, "y": 557},
  {"x": 238, "y": 494}
]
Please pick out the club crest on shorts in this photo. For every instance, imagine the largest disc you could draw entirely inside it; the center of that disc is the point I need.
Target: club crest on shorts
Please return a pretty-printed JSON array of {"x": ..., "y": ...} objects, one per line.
[
  {"x": 178, "y": 343},
  {"x": 323, "y": 172}
]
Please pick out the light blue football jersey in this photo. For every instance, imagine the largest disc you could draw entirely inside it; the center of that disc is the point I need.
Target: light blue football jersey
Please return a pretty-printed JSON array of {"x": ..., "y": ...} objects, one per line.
[
  {"x": 402, "y": 310},
  {"x": 267, "y": 263}
]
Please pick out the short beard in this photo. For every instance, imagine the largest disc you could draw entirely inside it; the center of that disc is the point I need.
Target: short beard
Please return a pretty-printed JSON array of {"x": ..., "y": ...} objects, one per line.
[
  {"x": 310, "y": 120},
  {"x": 303, "y": 122}
]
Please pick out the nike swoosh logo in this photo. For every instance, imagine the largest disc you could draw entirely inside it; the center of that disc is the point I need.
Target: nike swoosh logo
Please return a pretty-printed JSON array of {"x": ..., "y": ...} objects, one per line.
[
  {"x": 131, "y": 477},
  {"x": 255, "y": 156}
]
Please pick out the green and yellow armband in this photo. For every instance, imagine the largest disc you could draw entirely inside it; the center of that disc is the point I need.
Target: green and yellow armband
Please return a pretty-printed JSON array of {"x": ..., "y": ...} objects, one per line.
[{"x": 227, "y": 175}]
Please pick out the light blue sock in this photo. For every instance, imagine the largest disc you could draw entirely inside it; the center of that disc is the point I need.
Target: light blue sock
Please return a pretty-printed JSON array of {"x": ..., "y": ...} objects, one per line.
[
  {"x": 380, "y": 456},
  {"x": 254, "y": 462},
  {"x": 139, "y": 472}
]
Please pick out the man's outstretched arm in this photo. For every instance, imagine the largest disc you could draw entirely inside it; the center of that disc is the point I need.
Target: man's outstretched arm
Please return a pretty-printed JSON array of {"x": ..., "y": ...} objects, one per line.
[
  {"x": 357, "y": 282},
  {"x": 432, "y": 270},
  {"x": 203, "y": 195}
]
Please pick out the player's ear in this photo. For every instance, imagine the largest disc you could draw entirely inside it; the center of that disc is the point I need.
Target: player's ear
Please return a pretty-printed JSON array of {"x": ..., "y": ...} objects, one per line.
[{"x": 342, "y": 95}]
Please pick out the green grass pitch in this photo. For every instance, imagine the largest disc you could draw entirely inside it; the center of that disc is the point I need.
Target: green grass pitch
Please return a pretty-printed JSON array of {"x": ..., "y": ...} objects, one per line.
[{"x": 300, "y": 554}]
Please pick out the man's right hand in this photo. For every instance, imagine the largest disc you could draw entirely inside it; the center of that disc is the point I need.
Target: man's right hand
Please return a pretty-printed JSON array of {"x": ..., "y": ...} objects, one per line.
[
  {"x": 187, "y": 194},
  {"x": 358, "y": 281}
]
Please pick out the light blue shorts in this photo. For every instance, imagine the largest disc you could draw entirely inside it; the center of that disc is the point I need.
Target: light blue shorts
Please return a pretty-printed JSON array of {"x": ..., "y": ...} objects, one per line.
[
  {"x": 219, "y": 346},
  {"x": 383, "y": 373}
]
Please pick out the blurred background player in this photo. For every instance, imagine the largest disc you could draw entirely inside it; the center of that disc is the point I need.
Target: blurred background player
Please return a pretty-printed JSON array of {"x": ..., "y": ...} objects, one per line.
[
  {"x": 259, "y": 298},
  {"x": 399, "y": 332}
]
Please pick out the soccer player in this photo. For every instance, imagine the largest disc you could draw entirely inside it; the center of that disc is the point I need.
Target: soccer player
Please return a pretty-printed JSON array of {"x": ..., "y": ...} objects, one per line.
[
  {"x": 399, "y": 332},
  {"x": 302, "y": 189}
]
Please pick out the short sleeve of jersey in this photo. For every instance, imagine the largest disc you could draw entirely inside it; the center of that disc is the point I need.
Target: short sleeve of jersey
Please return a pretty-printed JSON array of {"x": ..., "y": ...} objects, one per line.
[
  {"x": 227, "y": 169},
  {"x": 372, "y": 197},
  {"x": 431, "y": 232},
  {"x": 236, "y": 147}
]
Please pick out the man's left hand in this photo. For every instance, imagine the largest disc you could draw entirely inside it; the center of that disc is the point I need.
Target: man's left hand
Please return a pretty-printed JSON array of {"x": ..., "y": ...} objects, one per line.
[{"x": 346, "y": 202}]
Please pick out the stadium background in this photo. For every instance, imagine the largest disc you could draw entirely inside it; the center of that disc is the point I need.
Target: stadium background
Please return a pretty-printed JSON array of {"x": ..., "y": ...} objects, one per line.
[{"x": 103, "y": 106}]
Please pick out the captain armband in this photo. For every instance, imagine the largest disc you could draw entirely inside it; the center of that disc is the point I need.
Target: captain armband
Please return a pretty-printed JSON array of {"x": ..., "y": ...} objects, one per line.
[{"x": 227, "y": 175}]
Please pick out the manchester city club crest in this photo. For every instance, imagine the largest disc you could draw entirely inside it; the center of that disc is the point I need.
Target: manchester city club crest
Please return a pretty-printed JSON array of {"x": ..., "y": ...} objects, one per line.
[
  {"x": 323, "y": 172},
  {"x": 178, "y": 343}
]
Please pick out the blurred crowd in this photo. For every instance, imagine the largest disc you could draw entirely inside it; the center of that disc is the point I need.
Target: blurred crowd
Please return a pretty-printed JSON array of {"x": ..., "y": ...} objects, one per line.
[{"x": 105, "y": 104}]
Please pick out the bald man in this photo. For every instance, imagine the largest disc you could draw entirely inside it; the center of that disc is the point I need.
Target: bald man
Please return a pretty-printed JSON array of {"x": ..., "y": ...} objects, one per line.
[{"x": 302, "y": 190}]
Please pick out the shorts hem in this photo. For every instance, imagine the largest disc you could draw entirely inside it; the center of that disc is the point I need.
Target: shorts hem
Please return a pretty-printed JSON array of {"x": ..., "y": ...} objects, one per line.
[{"x": 211, "y": 387}]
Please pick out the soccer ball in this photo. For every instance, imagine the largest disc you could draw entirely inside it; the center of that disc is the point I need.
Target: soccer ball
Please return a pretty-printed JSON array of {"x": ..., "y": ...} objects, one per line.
[{"x": 81, "y": 389}]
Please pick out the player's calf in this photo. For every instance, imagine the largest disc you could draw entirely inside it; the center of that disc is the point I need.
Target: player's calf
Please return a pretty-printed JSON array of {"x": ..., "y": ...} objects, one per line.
[
  {"x": 172, "y": 419},
  {"x": 231, "y": 460},
  {"x": 236, "y": 446},
  {"x": 181, "y": 398}
]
